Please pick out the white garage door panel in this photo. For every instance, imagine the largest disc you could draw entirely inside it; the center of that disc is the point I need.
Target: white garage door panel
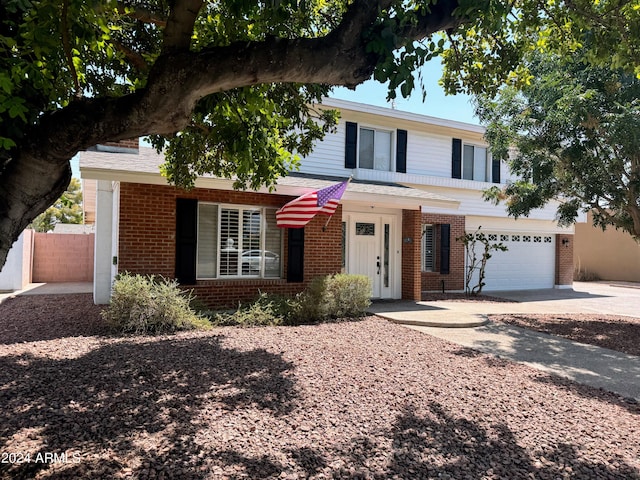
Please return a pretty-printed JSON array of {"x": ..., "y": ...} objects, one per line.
[{"x": 528, "y": 264}]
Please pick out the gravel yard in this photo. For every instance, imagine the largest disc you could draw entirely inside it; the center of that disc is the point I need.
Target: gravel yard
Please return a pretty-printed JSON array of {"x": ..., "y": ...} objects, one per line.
[
  {"x": 357, "y": 400},
  {"x": 609, "y": 331}
]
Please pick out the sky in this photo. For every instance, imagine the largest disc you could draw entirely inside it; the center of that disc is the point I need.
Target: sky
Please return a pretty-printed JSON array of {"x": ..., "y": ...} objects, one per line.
[{"x": 436, "y": 104}]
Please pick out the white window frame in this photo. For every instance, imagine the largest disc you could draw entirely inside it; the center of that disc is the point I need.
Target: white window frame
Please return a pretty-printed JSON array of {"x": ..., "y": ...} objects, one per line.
[
  {"x": 219, "y": 245},
  {"x": 392, "y": 143},
  {"x": 475, "y": 171}
]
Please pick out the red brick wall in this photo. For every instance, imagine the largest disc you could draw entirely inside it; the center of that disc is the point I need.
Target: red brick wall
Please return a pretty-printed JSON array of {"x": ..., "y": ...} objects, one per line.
[
  {"x": 129, "y": 143},
  {"x": 564, "y": 259},
  {"x": 59, "y": 257},
  {"x": 147, "y": 241},
  {"x": 411, "y": 236},
  {"x": 454, "y": 280}
]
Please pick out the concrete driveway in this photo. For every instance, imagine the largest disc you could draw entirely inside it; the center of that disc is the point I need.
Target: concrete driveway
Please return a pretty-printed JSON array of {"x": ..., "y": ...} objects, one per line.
[
  {"x": 585, "y": 297},
  {"x": 587, "y": 364}
]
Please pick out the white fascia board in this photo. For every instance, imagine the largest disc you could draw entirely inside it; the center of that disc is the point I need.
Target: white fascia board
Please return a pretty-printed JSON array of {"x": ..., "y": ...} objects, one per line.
[
  {"x": 121, "y": 176},
  {"x": 400, "y": 115},
  {"x": 396, "y": 201},
  {"x": 361, "y": 198},
  {"x": 151, "y": 178},
  {"x": 515, "y": 225}
]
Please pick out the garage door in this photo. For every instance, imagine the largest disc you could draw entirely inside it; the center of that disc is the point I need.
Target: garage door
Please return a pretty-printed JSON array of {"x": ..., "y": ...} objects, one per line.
[{"x": 529, "y": 262}]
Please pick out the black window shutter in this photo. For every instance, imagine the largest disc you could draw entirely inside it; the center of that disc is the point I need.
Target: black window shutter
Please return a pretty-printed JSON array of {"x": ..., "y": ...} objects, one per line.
[
  {"x": 401, "y": 151},
  {"x": 186, "y": 240},
  {"x": 295, "y": 247},
  {"x": 445, "y": 247},
  {"x": 456, "y": 158},
  {"x": 351, "y": 145},
  {"x": 495, "y": 170}
]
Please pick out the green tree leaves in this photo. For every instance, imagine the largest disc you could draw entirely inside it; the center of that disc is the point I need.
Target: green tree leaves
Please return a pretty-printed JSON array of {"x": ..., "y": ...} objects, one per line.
[
  {"x": 573, "y": 135},
  {"x": 252, "y": 135},
  {"x": 67, "y": 209}
]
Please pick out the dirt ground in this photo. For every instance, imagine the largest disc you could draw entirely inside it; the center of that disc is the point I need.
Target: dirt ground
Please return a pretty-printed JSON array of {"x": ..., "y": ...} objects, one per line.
[{"x": 355, "y": 400}]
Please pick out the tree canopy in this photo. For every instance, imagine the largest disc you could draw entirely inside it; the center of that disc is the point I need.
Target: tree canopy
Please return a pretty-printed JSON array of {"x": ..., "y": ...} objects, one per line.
[
  {"x": 573, "y": 135},
  {"x": 229, "y": 86},
  {"x": 67, "y": 209}
]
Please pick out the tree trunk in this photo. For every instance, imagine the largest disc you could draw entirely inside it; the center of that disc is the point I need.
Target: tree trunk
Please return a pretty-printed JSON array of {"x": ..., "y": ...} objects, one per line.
[{"x": 28, "y": 186}]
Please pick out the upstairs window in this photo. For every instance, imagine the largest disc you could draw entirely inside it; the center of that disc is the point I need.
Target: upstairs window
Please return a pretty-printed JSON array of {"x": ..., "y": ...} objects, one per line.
[
  {"x": 475, "y": 164},
  {"x": 472, "y": 162},
  {"x": 374, "y": 150}
]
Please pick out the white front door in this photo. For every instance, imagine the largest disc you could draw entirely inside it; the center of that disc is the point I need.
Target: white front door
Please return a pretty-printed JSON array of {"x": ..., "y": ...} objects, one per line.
[{"x": 370, "y": 253}]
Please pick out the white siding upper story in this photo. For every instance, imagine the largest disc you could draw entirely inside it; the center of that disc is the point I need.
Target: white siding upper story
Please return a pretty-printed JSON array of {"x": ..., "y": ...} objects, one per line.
[
  {"x": 429, "y": 147},
  {"x": 428, "y": 162}
]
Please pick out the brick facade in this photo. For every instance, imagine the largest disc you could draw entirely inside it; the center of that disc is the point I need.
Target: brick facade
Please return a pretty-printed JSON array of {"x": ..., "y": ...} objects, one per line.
[
  {"x": 147, "y": 241},
  {"x": 454, "y": 280},
  {"x": 564, "y": 260},
  {"x": 411, "y": 235},
  {"x": 129, "y": 143}
]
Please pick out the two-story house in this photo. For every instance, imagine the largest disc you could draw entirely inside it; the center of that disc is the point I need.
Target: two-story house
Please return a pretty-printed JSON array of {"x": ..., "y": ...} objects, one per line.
[{"x": 416, "y": 187}]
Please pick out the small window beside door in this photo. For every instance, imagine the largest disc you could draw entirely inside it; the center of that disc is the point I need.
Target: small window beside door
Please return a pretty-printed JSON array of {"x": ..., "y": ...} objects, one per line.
[
  {"x": 436, "y": 248},
  {"x": 428, "y": 248}
]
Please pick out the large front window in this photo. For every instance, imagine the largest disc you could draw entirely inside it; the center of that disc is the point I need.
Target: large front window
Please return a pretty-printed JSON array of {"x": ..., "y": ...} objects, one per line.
[
  {"x": 375, "y": 149},
  {"x": 238, "y": 242}
]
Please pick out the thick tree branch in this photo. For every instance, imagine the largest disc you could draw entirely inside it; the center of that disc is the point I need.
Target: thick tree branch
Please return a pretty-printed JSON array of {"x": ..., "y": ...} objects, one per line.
[
  {"x": 439, "y": 16},
  {"x": 179, "y": 79},
  {"x": 177, "y": 33}
]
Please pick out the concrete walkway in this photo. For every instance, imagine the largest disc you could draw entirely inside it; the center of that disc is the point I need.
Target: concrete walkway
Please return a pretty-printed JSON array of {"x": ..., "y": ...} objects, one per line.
[
  {"x": 50, "y": 289},
  {"x": 590, "y": 365}
]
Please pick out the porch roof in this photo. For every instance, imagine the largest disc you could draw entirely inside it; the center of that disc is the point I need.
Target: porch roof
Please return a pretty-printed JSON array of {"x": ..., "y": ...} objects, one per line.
[
  {"x": 363, "y": 192},
  {"x": 143, "y": 167}
]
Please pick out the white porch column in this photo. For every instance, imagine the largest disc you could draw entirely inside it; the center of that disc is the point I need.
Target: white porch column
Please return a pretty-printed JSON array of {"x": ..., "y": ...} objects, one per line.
[{"x": 103, "y": 260}]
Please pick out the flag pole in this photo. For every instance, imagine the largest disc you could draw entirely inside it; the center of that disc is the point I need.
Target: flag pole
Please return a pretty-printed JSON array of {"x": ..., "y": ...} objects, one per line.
[{"x": 324, "y": 228}]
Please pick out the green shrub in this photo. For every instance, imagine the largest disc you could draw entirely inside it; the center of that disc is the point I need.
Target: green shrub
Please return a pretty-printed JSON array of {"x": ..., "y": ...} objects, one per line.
[
  {"x": 333, "y": 296},
  {"x": 351, "y": 295},
  {"x": 326, "y": 298},
  {"x": 148, "y": 304},
  {"x": 266, "y": 310}
]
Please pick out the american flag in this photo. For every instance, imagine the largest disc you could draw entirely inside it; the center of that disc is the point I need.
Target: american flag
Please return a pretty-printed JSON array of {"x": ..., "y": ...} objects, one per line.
[{"x": 297, "y": 213}]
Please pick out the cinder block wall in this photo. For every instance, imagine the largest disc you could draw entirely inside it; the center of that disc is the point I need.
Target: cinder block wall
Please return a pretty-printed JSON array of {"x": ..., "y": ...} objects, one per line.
[
  {"x": 454, "y": 280},
  {"x": 59, "y": 257},
  {"x": 147, "y": 241}
]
